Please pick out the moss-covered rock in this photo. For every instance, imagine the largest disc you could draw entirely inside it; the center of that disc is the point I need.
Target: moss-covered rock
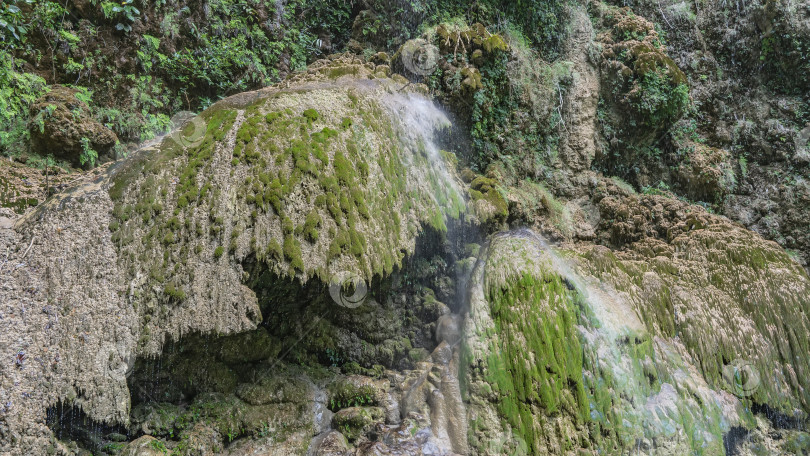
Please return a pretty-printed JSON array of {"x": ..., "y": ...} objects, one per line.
[
  {"x": 723, "y": 291},
  {"x": 304, "y": 182},
  {"x": 527, "y": 358},
  {"x": 249, "y": 347},
  {"x": 489, "y": 204},
  {"x": 64, "y": 127},
  {"x": 627, "y": 329},
  {"x": 353, "y": 422},
  {"x": 274, "y": 389},
  {"x": 354, "y": 391},
  {"x": 640, "y": 76},
  {"x": 145, "y": 446}
]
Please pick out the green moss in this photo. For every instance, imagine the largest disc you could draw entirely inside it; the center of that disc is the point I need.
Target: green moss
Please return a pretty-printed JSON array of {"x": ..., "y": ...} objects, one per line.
[
  {"x": 535, "y": 319},
  {"x": 364, "y": 169},
  {"x": 292, "y": 253},
  {"x": 175, "y": 294},
  {"x": 311, "y": 115},
  {"x": 344, "y": 170},
  {"x": 173, "y": 224},
  {"x": 484, "y": 188},
  {"x": 274, "y": 250},
  {"x": 495, "y": 43},
  {"x": 272, "y": 117},
  {"x": 287, "y": 225},
  {"x": 340, "y": 245},
  {"x": 337, "y": 72},
  {"x": 345, "y": 393},
  {"x": 311, "y": 225},
  {"x": 300, "y": 151},
  {"x": 281, "y": 155}
]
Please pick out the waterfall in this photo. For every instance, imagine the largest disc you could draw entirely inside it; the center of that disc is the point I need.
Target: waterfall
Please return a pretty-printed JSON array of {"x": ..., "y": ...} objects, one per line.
[{"x": 419, "y": 119}]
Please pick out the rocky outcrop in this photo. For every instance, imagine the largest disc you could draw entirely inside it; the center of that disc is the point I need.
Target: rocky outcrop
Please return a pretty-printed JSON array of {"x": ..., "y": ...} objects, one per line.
[
  {"x": 304, "y": 181},
  {"x": 64, "y": 127},
  {"x": 739, "y": 146},
  {"x": 681, "y": 331},
  {"x": 287, "y": 274}
]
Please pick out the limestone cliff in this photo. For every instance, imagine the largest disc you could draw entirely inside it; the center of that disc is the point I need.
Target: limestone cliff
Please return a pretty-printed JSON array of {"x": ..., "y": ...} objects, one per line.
[
  {"x": 583, "y": 252},
  {"x": 323, "y": 178},
  {"x": 640, "y": 350}
]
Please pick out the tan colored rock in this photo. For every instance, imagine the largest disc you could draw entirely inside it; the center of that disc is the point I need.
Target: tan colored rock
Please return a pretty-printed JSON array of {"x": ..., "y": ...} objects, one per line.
[
  {"x": 92, "y": 292},
  {"x": 61, "y": 125},
  {"x": 332, "y": 444},
  {"x": 144, "y": 446}
]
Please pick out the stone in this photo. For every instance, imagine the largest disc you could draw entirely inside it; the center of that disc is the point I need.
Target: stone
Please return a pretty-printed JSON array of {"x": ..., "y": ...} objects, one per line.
[
  {"x": 356, "y": 421},
  {"x": 203, "y": 439},
  {"x": 272, "y": 389},
  {"x": 333, "y": 443},
  {"x": 448, "y": 329},
  {"x": 63, "y": 123},
  {"x": 144, "y": 446},
  {"x": 249, "y": 347}
]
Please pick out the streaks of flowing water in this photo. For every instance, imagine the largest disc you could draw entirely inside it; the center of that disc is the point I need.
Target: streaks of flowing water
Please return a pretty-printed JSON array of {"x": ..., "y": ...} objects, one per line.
[{"x": 418, "y": 119}]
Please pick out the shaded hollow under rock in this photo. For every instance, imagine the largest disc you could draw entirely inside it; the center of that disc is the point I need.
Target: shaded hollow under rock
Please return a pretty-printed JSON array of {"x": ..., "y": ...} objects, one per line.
[
  {"x": 70, "y": 423},
  {"x": 272, "y": 381}
]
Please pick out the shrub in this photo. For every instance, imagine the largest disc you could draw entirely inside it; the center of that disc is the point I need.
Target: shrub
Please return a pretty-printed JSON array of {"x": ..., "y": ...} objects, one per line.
[{"x": 17, "y": 92}]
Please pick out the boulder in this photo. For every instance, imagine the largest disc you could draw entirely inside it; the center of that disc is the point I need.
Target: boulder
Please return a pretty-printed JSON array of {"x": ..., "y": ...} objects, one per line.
[
  {"x": 62, "y": 126},
  {"x": 333, "y": 443},
  {"x": 357, "y": 421},
  {"x": 144, "y": 446}
]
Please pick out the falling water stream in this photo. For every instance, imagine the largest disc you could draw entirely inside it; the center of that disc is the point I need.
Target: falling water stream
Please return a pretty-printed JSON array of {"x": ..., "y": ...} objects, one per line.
[{"x": 434, "y": 383}]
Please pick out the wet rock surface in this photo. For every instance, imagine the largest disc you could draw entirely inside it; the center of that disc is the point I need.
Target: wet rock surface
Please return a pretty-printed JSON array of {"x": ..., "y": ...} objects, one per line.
[
  {"x": 77, "y": 344},
  {"x": 201, "y": 297}
]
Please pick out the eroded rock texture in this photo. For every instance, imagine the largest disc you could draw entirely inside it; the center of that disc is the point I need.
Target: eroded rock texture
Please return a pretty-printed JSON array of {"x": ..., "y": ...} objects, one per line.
[{"x": 299, "y": 182}]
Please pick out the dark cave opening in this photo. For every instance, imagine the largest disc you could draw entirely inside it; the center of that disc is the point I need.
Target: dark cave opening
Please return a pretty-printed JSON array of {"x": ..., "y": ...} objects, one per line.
[
  {"x": 69, "y": 423},
  {"x": 199, "y": 387}
]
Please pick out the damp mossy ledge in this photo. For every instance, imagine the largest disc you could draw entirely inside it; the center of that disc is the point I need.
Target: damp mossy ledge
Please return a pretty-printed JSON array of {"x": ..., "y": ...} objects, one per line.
[{"x": 538, "y": 363}]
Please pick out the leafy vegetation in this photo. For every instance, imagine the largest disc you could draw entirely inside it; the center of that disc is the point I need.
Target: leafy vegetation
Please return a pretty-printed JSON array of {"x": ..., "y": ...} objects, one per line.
[
  {"x": 18, "y": 90},
  {"x": 543, "y": 23},
  {"x": 139, "y": 62}
]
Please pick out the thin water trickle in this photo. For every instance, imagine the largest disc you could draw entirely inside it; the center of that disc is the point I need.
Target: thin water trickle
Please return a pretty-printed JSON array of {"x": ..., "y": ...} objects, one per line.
[{"x": 419, "y": 119}]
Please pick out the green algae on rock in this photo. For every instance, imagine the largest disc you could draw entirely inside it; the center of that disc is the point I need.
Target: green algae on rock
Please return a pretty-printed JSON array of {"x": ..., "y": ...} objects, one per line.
[
  {"x": 522, "y": 352},
  {"x": 724, "y": 292},
  {"x": 598, "y": 361},
  {"x": 280, "y": 177},
  {"x": 170, "y": 231}
]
